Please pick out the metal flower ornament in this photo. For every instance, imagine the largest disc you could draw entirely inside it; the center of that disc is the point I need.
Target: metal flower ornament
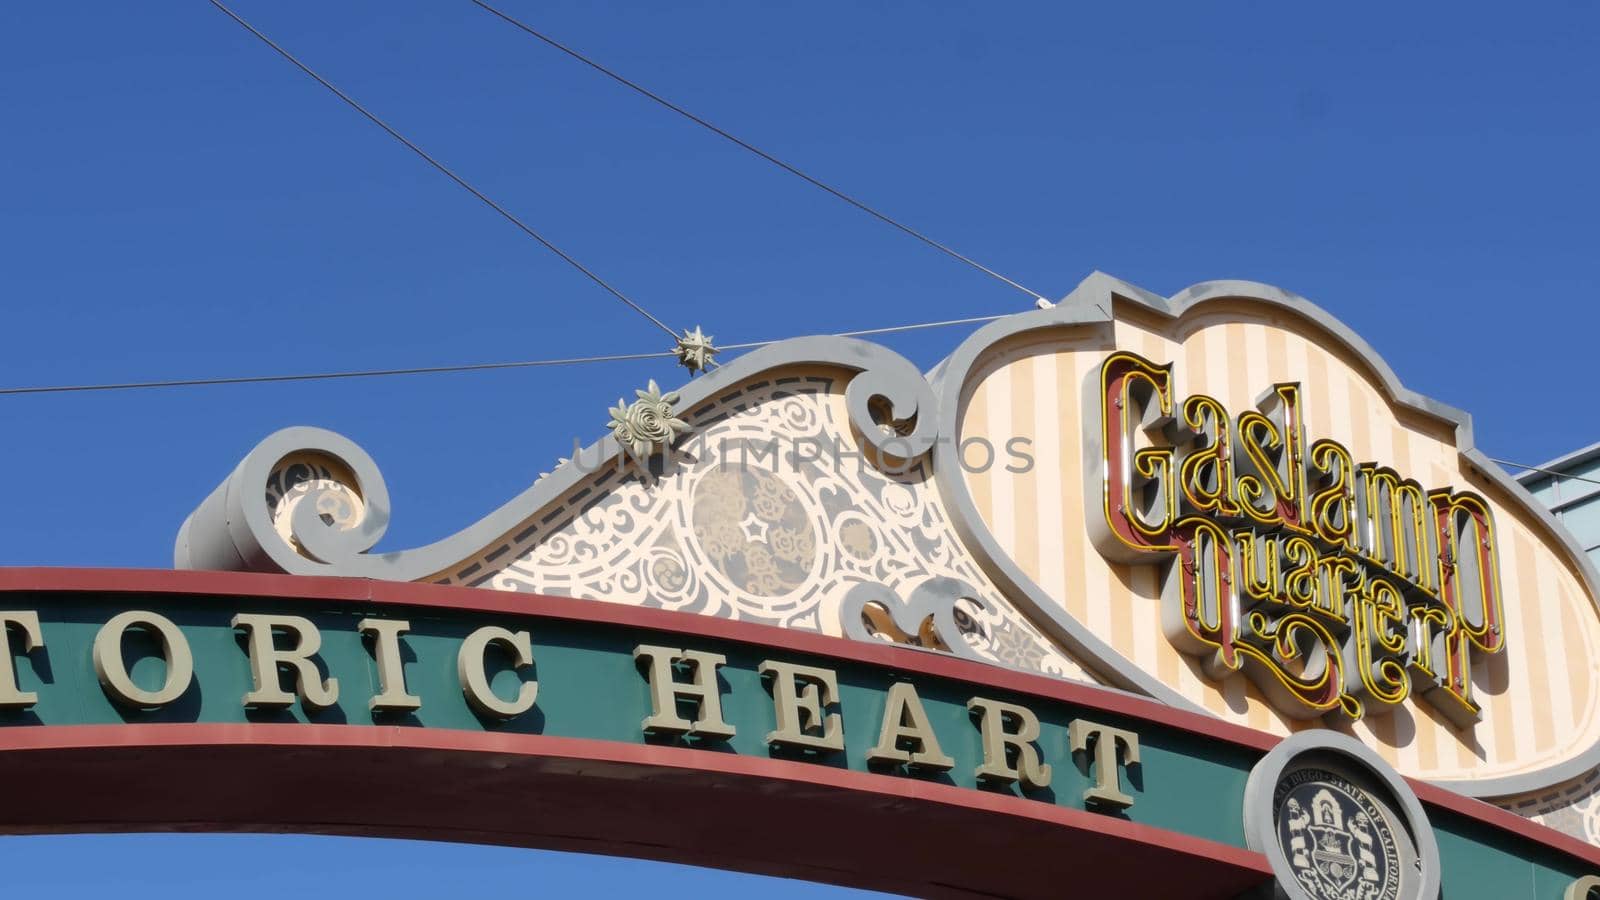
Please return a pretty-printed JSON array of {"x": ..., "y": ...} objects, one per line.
[
  {"x": 650, "y": 421},
  {"x": 695, "y": 351}
]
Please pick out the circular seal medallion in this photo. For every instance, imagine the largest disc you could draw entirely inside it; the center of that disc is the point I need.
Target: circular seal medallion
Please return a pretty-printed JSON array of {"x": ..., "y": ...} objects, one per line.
[
  {"x": 1339, "y": 842},
  {"x": 1337, "y": 823}
]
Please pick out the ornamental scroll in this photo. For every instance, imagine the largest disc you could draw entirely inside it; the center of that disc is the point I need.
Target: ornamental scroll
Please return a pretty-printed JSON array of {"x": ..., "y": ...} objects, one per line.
[{"x": 1340, "y": 542}]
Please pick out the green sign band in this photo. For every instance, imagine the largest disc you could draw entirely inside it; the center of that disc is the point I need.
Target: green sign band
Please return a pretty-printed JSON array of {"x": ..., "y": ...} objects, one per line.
[{"x": 245, "y": 677}]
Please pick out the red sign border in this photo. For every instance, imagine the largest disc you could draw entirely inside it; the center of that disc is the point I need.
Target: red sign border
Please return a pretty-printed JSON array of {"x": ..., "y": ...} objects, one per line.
[{"x": 50, "y": 754}]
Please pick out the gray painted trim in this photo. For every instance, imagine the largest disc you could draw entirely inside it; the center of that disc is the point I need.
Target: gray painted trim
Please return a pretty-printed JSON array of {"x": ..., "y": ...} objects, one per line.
[
  {"x": 1261, "y": 832},
  {"x": 1091, "y": 305},
  {"x": 1090, "y": 651},
  {"x": 232, "y": 529}
]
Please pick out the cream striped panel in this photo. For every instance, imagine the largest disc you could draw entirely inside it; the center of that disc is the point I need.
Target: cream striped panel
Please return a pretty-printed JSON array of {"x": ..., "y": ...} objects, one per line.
[{"x": 1539, "y": 703}]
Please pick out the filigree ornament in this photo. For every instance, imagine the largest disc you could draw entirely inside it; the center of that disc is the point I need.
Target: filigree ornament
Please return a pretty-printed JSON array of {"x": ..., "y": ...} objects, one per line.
[
  {"x": 695, "y": 350},
  {"x": 748, "y": 525},
  {"x": 315, "y": 479},
  {"x": 647, "y": 422},
  {"x": 1573, "y": 810}
]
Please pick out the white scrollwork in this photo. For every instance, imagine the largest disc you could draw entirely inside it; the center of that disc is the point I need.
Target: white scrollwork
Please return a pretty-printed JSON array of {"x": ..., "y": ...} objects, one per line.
[
  {"x": 319, "y": 482},
  {"x": 1572, "y": 808},
  {"x": 769, "y": 513}
]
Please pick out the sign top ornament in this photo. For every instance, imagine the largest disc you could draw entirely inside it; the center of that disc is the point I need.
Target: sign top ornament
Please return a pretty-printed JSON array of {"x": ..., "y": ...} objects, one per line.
[{"x": 1223, "y": 499}]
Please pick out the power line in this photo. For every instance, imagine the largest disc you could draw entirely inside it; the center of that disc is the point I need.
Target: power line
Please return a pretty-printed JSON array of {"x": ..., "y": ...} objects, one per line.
[
  {"x": 547, "y": 363},
  {"x": 325, "y": 376},
  {"x": 1556, "y": 472},
  {"x": 635, "y": 86},
  {"x": 445, "y": 170},
  {"x": 891, "y": 329},
  {"x": 432, "y": 370}
]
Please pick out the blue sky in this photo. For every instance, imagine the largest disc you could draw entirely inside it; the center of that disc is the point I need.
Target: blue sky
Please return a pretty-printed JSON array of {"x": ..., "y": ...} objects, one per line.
[{"x": 176, "y": 201}]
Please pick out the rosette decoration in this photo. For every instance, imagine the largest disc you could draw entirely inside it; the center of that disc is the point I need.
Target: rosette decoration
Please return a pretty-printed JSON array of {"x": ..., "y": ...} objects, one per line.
[{"x": 650, "y": 421}]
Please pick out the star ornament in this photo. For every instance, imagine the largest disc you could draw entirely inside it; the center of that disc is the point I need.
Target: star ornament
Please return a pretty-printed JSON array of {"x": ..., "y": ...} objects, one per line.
[
  {"x": 755, "y": 530},
  {"x": 695, "y": 350},
  {"x": 650, "y": 421}
]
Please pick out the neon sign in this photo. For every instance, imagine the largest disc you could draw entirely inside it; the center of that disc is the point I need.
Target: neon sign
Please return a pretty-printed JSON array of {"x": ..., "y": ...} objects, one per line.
[{"x": 1339, "y": 587}]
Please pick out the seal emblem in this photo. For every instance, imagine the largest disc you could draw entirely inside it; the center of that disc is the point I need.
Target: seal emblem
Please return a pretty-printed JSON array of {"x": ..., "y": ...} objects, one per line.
[
  {"x": 1335, "y": 822},
  {"x": 1338, "y": 840}
]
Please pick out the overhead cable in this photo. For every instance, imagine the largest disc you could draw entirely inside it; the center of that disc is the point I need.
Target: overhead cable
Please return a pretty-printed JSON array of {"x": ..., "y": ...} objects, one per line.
[
  {"x": 1560, "y": 475},
  {"x": 431, "y": 370},
  {"x": 858, "y": 204},
  {"x": 446, "y": 171},
  {"x": 325, "y": 376},
  {"x": 889, "y": 330}
]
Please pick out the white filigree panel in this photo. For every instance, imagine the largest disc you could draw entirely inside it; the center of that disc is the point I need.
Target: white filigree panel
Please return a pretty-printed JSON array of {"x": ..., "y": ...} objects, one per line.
[
  {"x": 1572, "y": 808},
  {"x": 768, "y": 513}
]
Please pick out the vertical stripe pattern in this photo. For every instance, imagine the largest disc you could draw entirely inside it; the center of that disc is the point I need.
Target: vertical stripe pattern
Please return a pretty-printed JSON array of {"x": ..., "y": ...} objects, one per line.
[{"x": 1539, "y": 703}]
